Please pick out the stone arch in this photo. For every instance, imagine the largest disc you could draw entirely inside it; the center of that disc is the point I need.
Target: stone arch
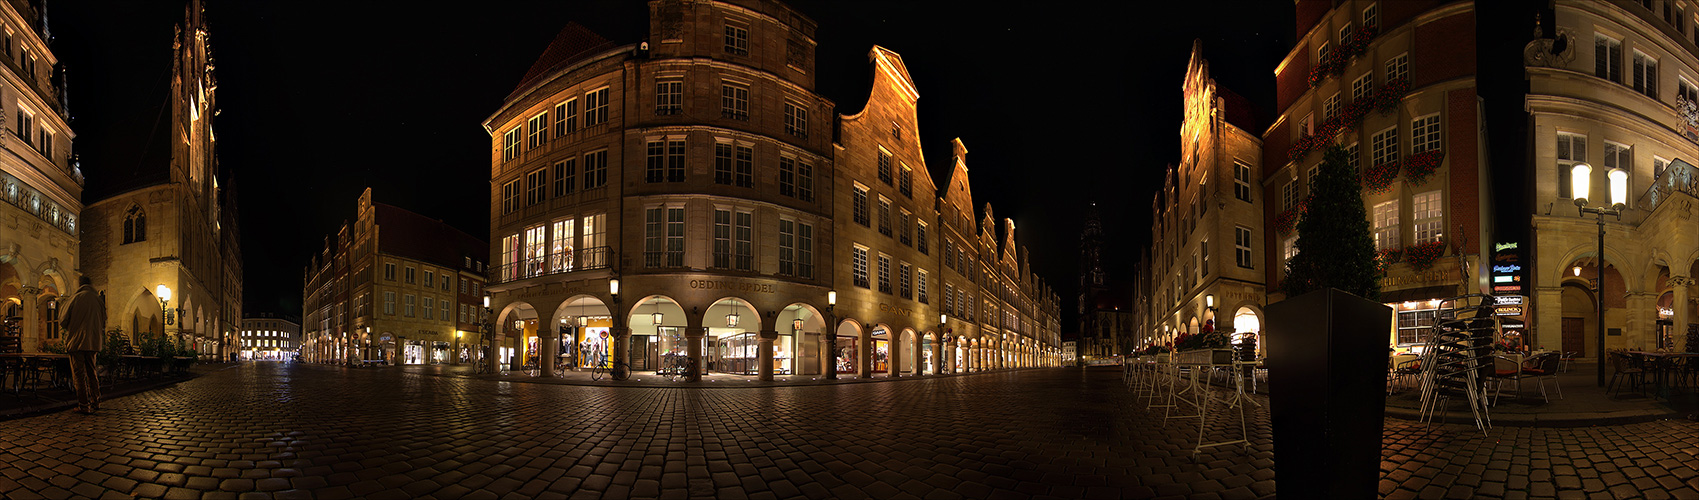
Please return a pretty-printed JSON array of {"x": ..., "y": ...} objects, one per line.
[
  {"x": 733, "y": 327},
  {"x": 904, "y": 349},
  {"x": 880, "y": 338},
  {"x": 1613, "y": 257},
  {"x": 850, "y": 333},
  {"x": 516, "y": 333},
  {"x": 799, "y": 350}
]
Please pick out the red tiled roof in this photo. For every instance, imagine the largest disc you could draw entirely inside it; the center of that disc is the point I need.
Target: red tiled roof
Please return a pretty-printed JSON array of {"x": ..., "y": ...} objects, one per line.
[
  {"x": 574, "y": 42},
  {"x": 407, "y": 234}
]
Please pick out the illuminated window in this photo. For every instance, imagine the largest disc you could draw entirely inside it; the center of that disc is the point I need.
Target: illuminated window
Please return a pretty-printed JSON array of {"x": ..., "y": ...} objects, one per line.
[
  {"x": 904, "y": 275},
  {"x": 884, "y": 166},
  {"x": 1424, "y": 134},
  {"x": 905, "y": 184},
  {"x": 561, "y": 245},
  {"x": 796, "y": 120},
  {"x": 1428, "y": 214},
  {"x": 1645, "y": 74},
  {"x": 565, "y": 170},
  {"x": 1242, "y": 181},
  {"x": 536, "y": 250},
  {"x": 744, "y": 166},
  {"x": 920, "y": 236},
  {"x": 1362, "y": 88},
  {"x": 722, "y": 163},
  {"x": 1571, "y": 149},
  {"x": 537, "y": 131},
  {"x": 534, "y": 186},
  {"x": 737, "y": 39},
  {"x": 595, "y": 169},
  {"x": 884, "y": 273},
  {"x": 805, "y": 251},
  {"x": 566, "y": 117},
  {"x": 596, "y": 107},
  {"x": 884, "y": 216},
  {"x": 1385, "y": 144},
  {"x": 1398, "y": 68},
  {"x": 510, "y": 245},
  {"x": 734, "y": 101},
  {"x": 669, "y": 96},
  {"x": 859, "y": 205},
  {"x": 1242, "y": 246},
  {"x": 787, "y": 247},
  {"x": 1386, "y": 225},
  {"x": 722, "y": 239},
  {"x": 920, "y": 287},
  {"x": 903, "y": 219},
  {"x": 858, "y": 267},
  {"x": 1607, "y": 58},
  {"x": 510, "y": 144},
  {"x": 510, "y": 197}
]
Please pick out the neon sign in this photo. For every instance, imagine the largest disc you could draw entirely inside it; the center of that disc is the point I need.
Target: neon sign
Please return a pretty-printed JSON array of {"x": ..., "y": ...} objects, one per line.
[{"x": 1504, "y": 246}]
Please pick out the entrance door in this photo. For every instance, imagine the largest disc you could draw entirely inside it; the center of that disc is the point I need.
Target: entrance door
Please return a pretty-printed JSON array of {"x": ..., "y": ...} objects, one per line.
[{"x": 1574, "y": 336}]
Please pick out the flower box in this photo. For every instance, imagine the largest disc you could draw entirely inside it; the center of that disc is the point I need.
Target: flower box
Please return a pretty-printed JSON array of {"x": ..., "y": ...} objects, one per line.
[{"x": 1205, "y": 356}]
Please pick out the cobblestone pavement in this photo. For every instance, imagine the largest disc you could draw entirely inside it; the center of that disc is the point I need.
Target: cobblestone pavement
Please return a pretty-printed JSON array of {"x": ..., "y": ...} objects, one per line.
[
  {"x": 298, "y": 431},
  {"x": 305, "y": 431}
]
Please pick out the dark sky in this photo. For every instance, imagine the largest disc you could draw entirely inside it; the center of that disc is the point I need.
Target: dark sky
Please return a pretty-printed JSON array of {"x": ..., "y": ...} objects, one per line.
[{"x": 1057, "y": 107}]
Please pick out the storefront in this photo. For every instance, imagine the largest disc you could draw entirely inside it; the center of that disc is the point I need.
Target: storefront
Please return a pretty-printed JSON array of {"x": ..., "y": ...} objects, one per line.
[
  {"x": 846, "y": 355},
  {"x": 881, "y": 351},
  {"x": 926, "y": 355},
  {"x": 737, "y": 350}
]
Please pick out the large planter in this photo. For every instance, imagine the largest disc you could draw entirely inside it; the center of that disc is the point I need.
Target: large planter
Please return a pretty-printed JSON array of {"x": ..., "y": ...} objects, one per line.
[
  {"x": 1205, "y": 357},
  {"x": 1327, "y": 367}
]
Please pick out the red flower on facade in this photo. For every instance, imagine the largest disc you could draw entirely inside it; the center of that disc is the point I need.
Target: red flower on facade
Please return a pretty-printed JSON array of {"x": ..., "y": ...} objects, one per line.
[
  {"x": 1419, "y": 166},
  {"x": 1421, "y": 256},
  {"x": 1378, "y": 179},
  {"x": 1389, "y": 95}
]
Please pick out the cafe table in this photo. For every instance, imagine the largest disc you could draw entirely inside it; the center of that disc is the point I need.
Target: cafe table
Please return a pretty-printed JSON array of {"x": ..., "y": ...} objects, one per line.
[
  {"x": 1660, "y": 358},
  {"x": 61, "y": 365}
]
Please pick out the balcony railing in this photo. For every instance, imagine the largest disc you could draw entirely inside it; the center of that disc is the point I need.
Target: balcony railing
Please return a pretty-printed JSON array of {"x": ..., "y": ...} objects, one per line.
[
  {"x": 583, "y": 259},
  {"x": 663, "y": 259},
  {"x": 1678, "y": 176}
]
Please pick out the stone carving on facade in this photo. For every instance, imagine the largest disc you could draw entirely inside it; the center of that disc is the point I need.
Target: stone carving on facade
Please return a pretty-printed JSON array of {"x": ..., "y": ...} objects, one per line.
[{"x": 1555, "y": 52}]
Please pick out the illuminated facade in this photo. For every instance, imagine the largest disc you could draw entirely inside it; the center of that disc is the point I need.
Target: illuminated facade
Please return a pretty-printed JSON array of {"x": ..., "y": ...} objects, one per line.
[
  {"x": 40, "y": 185},
  {"x": 1205, "y": 260},
  {"x": 394, "y": 286},
  {"x": 171, "y": 233},
  {"x": 702, "y": 171},
  {"x": 1619, "y": 91},
  {"x": 269, "y": 338},
  {"x": 1394, "y": 84}
]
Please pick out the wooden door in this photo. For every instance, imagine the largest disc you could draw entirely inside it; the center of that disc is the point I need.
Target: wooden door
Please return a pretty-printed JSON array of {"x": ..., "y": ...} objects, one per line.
[{"x": 1574, "y": 336}]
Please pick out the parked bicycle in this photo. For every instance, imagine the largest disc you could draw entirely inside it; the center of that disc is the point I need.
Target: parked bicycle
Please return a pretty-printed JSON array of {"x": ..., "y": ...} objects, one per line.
[{"x": 619, "y": 370}]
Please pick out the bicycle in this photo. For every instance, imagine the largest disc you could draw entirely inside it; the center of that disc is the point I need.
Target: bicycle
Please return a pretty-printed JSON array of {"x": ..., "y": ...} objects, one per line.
[
  {"x": 619, "y": 370},
  {"x": 678, "y": 368}
]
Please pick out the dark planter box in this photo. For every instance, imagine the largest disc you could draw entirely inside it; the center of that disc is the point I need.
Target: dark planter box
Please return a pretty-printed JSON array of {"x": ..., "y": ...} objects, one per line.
[{"x": 1327, "y": 355}]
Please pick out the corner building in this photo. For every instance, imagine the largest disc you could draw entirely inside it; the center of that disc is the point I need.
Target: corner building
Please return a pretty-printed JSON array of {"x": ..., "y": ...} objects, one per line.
[
  {"x": 41, "y": 186},
  {"x": 1621, "y": 90},
  {"x": 699, "y": 171},
  {"x": 1393, "y": 83}
]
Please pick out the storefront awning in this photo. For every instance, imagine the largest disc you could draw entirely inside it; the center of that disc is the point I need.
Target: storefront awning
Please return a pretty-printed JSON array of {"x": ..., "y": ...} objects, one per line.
[{"x": 1423, "y": 293}]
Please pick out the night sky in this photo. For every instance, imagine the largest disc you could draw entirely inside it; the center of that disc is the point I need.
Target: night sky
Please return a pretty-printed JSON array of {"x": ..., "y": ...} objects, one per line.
[{"x": 1057, "y": 107}]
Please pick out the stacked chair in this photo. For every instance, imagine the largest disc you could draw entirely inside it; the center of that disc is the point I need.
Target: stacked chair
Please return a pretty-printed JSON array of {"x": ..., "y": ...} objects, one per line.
[{"x": 1458, "y": 356}]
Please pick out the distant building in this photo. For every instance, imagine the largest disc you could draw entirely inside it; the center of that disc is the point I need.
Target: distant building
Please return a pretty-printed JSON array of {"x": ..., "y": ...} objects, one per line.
[
  {"x": 394, "y": 286},
  {"x": 1108, "y": 322},
  {"x": 169, "y": 231},
  {"x": 702, "y": 171},
  {"x": 269, "y": 338},
  {"x": 41, "y": 185}
]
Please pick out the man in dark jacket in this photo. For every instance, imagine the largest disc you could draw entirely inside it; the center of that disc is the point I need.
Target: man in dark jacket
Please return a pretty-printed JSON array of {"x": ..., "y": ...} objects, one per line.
[{"x": 83, "y": 318}]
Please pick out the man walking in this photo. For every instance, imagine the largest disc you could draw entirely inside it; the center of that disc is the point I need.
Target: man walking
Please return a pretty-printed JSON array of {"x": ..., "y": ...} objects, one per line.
[{"x": 83, "y": 318}]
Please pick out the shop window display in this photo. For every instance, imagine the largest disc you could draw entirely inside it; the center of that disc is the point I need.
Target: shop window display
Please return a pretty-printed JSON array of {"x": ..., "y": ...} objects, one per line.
[{"x": 846, "y": 354}]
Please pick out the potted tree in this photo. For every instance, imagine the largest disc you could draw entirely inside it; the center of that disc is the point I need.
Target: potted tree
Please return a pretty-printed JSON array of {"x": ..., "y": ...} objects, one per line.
[{"x": 1326, "y": 346}]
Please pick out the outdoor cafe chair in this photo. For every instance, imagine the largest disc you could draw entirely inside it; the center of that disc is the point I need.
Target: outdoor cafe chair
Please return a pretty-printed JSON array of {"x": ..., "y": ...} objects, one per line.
[
  {"x": 1545, "y": 368},
  {"x": 1568, "y": 357},
  {"x": 1406, "y": 372},
  {"x": 1505, "y": 369},
  {"x": 1627, "y": 368}
]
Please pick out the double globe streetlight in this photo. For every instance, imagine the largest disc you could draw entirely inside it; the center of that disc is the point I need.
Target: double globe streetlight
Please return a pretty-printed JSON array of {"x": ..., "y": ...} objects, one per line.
[{"x": 1581, "y": 176}]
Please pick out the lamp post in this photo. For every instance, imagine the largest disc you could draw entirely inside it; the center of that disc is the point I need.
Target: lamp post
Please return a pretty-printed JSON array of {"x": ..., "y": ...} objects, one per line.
[
  {"x": 831, "y": 336},
  {"x": 164, "y": 294},
  {"x": 620, "y": 333},
  {"x": 1580, "y": 177},
  {"x": 943, "y": 333},
  {"x": 488, "y": 337}
]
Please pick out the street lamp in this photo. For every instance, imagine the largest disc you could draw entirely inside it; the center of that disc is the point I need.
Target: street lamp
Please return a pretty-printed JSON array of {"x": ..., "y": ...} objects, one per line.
[
  {"x": 487, "y": 334},
  {"x": 831, "y": 336},
  {"x": 164, "y": 293},
  {"x": 1580, "y": 177},
  {"x": 619, "y": 332}
]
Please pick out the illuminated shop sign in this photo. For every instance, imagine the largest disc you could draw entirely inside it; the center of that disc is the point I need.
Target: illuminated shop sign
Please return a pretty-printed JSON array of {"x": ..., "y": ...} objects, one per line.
[{"x": 1509, "y": 310}]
